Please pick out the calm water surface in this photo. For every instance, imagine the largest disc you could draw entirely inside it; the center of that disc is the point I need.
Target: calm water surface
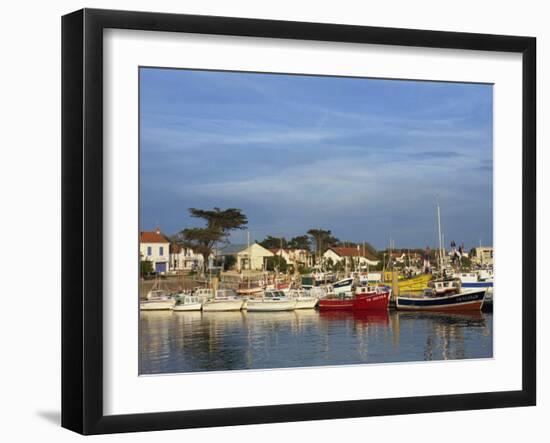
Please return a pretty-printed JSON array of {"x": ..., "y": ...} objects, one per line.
[{"x": 213, "y": 341}]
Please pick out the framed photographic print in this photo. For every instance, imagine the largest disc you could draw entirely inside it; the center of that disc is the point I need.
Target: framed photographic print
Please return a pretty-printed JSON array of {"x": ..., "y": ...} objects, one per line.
[{"x": 268, "y": 221}]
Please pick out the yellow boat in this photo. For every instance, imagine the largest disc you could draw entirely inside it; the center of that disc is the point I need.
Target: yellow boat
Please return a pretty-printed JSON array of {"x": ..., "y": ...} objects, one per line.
[{"x": 413, "y": 284}]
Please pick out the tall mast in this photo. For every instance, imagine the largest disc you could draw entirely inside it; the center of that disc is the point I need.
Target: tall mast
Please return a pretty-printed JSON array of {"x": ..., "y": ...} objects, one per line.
[
  {"x": 439, "y": 236},
  {"x": 248, "y": 255}
]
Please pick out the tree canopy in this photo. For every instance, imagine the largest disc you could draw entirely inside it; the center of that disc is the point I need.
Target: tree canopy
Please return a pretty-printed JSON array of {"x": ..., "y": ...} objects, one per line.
[
  {"x": 219, "y": 224},
  {"x": 274, "y": 242},
  {"x": 300, "y": 242},
  {"x": 323, "y": 239}
]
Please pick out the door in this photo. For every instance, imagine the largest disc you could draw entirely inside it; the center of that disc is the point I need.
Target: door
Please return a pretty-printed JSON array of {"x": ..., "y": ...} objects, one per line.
[{"x": 160, "y": 268}]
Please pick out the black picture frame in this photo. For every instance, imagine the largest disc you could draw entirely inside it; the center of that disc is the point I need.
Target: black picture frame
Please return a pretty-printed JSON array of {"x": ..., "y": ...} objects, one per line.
[{"x": 82, "y": 218}]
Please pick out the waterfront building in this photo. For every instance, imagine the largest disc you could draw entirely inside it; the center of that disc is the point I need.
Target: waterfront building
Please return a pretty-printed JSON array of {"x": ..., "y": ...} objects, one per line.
[
  {"x": 294, "y": 256},
  {"x": 251, "y": 257},
  {"x": 155, "y": 247},
  {"x": 361, "y": 258},
  {"x": 184, "y": 259}
]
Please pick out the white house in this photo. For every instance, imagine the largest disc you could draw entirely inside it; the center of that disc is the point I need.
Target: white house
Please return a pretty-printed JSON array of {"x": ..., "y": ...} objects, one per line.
[
  {"x": 252, "y": 257},
  {"x": 294, "y": 256},
  {"x": 184, "y": 259},
  {"x": 155, "y": 247},
  {"x": 362, "y": 259}
]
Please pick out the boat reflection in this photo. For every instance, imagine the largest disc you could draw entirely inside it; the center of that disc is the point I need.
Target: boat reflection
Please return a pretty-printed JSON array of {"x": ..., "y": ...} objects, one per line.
[
  {"x": 212, "y": 341},
  {"x": 446, "y": 335},
  {"x": 363, "y": 317}
]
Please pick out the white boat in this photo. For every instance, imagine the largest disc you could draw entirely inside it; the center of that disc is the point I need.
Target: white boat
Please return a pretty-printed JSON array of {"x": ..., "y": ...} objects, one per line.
[
  {"x": 304, "y": 300},
  {"x": 157, "y": 300},
  {"x": 187, "y": 302},
  {"x": 315, "y": 291},
  {"x": 271, "y": 301},
  {"x": 481, "y": 279},
  {"x": 225, "y": 300},
  {"x": 203, "y": 293}
]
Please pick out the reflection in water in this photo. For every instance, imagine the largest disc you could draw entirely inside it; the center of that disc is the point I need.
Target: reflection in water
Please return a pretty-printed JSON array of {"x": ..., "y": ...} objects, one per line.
[{"x": 213, "y": 341}]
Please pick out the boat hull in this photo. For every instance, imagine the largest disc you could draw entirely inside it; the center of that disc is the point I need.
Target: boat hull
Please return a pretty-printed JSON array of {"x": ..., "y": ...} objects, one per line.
[
  {"x": 187, "y": 307},
  {"x": 306, "y": 303},
  {"x": 222, "y": 305},
  {"x": 464, "y": 301},
  {"x": 154, "y": 305},
  {"x": 270, "y": 305},
  {"x": 371, "y": 302},
  {"x": 335, "y": 304}
]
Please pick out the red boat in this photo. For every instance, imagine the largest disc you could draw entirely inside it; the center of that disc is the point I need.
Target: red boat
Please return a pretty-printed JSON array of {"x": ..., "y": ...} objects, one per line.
[
  {"x": 372, "y": 302},
  {"x": 371, "y": 298},
  {"x": 343, "y": 302}
]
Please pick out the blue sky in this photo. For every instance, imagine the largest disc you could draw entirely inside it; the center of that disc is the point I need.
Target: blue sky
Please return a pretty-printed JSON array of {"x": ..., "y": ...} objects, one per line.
[{"x": 364, "y": 158}]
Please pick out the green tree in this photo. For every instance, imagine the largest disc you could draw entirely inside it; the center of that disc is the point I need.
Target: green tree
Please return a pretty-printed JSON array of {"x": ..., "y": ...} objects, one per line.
[
  {"x": 276, "y": 263},
  {"x": 219, "y": 223},
  {"x": 322, "y": 239},
  {"x": 145, "y": 268},
  {"x": 273, "y": 242},
  {"x": 300, "y": 242}
]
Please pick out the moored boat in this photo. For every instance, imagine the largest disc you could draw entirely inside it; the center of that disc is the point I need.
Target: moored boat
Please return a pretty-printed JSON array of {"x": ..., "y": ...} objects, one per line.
[
  {"x": 224, "y": 300},
  {"x": 187, "y": 302},
  {"x": 157, "y": 300},
  {"x": 373, "y": 298},
  {"x": 337, "y": 301},
  {"x": 304, "y": 299},
  {"x": 271, "y": 300},
  {"x": 466, "y": 300}
]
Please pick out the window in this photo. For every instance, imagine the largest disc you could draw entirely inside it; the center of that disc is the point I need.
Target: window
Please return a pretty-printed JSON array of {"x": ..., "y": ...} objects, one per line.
[
  {"x": 161, "y": 250},
  {"x": 149, "y": 251}
]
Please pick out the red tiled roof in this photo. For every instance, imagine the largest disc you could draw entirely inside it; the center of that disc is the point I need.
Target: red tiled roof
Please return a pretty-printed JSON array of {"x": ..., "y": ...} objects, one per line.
[
  {"x": 152, "y": 237},
  {"x": 352, "y": 252}
]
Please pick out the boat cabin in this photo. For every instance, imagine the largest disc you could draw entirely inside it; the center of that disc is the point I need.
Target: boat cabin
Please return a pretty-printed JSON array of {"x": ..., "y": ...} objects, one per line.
[
  {"x": 274, "y": 295},
  {"x": 446, "y": 286}
]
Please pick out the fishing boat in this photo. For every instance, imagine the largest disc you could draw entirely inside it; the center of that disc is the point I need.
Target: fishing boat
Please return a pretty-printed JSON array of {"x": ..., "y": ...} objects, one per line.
[
  {"x": 373, "y": 298},
  {"x": 304, "y": 299},
  {"x": 337, "y": 301},
  {"x": 224, "y": 300},
  {"x": 272, "y": 300},
  {"x": 187, "y": 302},
  {"x": 465, "y": 300}
]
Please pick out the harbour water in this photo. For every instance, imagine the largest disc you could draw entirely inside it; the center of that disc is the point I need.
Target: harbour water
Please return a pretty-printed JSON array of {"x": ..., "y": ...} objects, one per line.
[{"x": 177, "y": 342}]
